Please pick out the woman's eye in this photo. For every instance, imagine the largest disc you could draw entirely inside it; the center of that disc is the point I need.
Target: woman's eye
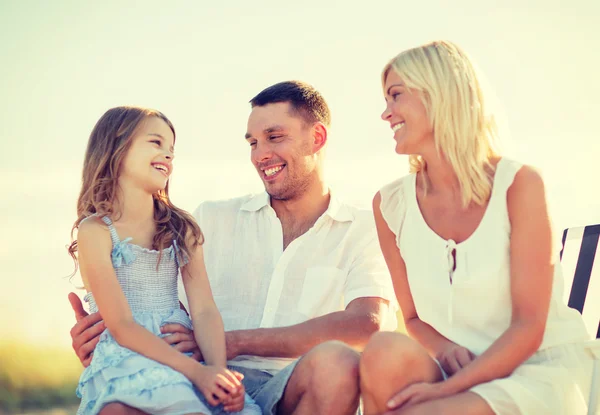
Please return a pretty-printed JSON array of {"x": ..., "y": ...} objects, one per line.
[{"x": 395, "y": 95}]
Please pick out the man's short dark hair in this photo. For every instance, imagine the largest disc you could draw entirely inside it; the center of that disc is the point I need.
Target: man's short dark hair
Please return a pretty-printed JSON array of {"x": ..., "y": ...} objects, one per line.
[{"x": 305, "y": 100}]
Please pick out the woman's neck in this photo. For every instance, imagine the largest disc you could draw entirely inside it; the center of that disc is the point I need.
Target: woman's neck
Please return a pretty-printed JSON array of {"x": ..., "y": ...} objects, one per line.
[{"x": 441, "y": 177}]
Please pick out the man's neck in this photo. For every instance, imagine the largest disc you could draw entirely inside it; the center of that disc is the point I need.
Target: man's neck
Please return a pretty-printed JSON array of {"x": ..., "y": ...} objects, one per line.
[{"x": 298, "y": 215}]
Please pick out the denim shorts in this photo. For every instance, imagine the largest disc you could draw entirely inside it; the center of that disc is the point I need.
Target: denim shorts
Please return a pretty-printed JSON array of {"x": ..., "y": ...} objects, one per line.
[{"x": 266, "y": 389}]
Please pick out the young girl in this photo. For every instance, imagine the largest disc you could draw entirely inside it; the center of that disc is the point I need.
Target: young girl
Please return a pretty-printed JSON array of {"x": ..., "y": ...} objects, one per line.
[
  {"x": 131, "y": 244},
  {"x": 468, "y": 242}
]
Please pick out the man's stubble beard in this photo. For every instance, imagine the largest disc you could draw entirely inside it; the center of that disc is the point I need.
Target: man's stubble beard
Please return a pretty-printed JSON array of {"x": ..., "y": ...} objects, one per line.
[{"x": 293, "y": 189}]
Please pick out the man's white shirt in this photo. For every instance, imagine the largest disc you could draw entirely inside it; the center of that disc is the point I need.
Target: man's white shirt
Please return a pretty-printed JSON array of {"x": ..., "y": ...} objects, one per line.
[{"x": 256, "y": 284}]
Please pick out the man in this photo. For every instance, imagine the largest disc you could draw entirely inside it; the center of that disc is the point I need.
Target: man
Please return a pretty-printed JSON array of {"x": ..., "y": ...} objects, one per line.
[{"x": 295, "y": 272}]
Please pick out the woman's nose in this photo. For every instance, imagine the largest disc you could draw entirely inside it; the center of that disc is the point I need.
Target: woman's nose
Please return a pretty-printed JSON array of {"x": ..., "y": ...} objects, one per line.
[{"x": 385, "y": 115}]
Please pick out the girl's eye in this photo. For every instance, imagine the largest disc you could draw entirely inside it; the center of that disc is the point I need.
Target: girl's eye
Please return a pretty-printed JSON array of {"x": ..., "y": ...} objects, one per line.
[{"x": 157, "y": 142}]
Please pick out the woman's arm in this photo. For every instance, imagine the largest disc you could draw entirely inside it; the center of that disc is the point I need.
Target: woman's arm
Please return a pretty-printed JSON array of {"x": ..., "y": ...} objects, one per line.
[
  {"x": 531, "y": 276},
  {"x": 94, "y": 245},
  {"x": 427, "y": 336},
  {"x": 206, "y": 319}
]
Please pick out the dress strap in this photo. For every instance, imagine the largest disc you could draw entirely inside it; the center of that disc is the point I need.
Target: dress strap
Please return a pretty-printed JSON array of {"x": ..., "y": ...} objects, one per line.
[{"x": 113, "y": 232}]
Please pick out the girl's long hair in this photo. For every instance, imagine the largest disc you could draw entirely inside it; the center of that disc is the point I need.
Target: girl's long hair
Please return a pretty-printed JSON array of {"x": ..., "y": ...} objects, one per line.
[
  {"x": 464, "y": 125},
  {"x": 108, "y": 144}
]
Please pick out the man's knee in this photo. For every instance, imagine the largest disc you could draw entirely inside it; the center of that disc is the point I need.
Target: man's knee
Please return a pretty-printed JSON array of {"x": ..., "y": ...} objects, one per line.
[
  {"x": 394, "y": 357},
  {"x": 333, "y": 365},
  {"x": 388, "y": 351}
]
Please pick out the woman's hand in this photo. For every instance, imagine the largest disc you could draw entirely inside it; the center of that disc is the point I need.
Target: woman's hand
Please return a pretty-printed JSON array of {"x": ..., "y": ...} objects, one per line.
[
  {"x": 417, "y": 393},
  {"x": 454, "y": 358}
]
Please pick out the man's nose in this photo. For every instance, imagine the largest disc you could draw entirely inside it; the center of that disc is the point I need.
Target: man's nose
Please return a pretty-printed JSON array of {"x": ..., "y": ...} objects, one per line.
[{"x": 262, "y": 153}]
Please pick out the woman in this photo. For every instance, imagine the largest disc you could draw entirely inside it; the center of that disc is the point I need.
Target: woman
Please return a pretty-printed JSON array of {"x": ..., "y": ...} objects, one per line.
[{"x": 468, "y": 242}]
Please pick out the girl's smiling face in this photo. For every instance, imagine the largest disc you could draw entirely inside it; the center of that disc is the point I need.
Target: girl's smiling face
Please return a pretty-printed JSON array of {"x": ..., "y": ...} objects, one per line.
[{"x": 149, "y": 161}]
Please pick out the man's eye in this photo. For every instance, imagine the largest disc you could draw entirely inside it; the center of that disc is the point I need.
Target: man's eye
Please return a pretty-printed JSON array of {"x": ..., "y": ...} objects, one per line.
[
  {"x": 252, "y": 143},
  {"x": 274, "y": 137}
]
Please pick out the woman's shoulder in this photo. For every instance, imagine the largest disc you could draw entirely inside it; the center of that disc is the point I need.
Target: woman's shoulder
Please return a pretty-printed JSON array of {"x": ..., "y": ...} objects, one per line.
[
  {"x": 391, "y": 200},
  {"x": 519, "y": 175},
  {"x": 397, "y": 185},
  {"x": 394, "y": 193}
]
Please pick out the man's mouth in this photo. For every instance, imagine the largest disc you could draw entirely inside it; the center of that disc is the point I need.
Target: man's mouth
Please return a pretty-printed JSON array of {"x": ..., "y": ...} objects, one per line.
[{"x": 271, "y": 171}]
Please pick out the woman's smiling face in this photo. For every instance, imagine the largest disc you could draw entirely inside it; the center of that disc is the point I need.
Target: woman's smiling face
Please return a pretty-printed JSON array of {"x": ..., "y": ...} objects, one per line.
[{"x": 407, "y": 116}]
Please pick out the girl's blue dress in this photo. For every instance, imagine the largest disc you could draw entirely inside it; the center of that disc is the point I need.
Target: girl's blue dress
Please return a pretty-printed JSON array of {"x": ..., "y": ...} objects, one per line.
[{"x": 117, "y": 374}]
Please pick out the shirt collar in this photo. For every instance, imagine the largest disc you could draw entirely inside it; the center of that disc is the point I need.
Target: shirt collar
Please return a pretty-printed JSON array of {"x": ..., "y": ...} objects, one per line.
[{"x": 337, "y": 210}]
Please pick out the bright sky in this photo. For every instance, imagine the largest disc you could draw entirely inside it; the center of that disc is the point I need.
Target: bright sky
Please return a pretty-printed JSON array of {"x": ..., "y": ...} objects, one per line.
[{"x": 65, "y": 63}]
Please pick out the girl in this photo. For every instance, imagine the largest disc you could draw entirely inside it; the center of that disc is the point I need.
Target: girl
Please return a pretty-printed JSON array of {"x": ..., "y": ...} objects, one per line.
[
  {"x": 467, "y": 239},
  {"x": 133, "y": 281}
]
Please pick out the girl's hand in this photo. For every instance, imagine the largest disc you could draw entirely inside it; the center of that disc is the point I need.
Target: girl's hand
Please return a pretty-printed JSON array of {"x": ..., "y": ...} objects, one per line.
[
  {"x": 236, "y": 400},
  {"x": 217, "y": 384},
  {"x": 454, "y": 358},
  {"x": 417, "y": 393}
]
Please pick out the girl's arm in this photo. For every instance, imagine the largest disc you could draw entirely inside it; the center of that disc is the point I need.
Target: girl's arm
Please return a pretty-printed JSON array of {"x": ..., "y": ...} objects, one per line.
[
  {"x": 422, "y": 332},
  {"x": 94, "y": 245},
  {"x": 206, "y": 319},
  {"x": 532, "y": 270}
]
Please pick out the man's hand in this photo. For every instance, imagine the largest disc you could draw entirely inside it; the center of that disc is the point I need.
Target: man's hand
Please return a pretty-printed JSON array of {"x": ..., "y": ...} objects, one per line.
[
  {"x": 454, "y": 358},
  {"x": 183, "y": 340},
  {"x": 85, "y": 334}
]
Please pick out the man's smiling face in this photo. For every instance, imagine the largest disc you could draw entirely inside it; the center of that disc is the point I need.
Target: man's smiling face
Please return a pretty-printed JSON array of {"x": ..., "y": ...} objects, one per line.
[{"x": 281, "y": 149}]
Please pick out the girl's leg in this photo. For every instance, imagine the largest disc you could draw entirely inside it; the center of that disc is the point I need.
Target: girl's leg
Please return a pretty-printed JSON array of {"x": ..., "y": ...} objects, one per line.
[
  {"x": 389, "y": 363},
  {"x": 117, "y": 408},
  {"x": 467, "y": 403}
]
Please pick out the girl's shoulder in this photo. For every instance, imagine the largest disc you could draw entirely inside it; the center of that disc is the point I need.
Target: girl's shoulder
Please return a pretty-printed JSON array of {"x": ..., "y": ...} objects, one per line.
[{"x": 92, "y": 227}]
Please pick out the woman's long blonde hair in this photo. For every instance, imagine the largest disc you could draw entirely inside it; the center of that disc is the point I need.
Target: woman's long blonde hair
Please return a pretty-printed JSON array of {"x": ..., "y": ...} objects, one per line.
[
  {"x": 464, "y": 127},
  {"x": 108, "y": 144}
]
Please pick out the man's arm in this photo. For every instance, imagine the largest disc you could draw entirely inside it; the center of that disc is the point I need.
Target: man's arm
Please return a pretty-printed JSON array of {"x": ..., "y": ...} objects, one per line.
[{"x": 354, "y": 326}]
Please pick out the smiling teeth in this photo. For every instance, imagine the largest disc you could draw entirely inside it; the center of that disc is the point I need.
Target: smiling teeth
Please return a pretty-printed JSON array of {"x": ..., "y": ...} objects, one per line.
[
  {"x": 272, "y": 171},
  {"x": 161, "y": 168},
  {"x": 397, "y": 127}
]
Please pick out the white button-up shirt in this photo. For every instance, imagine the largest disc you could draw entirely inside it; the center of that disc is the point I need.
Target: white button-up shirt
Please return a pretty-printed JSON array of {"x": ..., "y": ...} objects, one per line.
[{"x": 258, "y": 284}]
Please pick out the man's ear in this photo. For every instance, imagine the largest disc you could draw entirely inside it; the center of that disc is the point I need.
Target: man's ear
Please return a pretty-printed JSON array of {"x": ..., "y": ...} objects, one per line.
[{"x": 319, "y": 136}]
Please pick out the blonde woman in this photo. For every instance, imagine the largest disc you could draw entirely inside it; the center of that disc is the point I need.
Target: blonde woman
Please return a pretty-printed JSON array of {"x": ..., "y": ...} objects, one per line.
[{"x": 468, "y": 242}]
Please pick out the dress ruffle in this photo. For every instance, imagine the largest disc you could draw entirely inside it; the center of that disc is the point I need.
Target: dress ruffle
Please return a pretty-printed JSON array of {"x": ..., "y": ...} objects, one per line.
[{"x": 119, "y": 374}]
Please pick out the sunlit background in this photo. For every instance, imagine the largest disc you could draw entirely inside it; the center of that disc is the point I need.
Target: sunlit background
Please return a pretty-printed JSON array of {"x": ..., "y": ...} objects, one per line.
[{"x": 63, "y": 63}]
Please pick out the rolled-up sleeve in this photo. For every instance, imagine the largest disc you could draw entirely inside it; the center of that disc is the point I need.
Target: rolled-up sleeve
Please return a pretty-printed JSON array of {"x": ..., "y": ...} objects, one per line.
[{"x": 368, "y": 275}]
